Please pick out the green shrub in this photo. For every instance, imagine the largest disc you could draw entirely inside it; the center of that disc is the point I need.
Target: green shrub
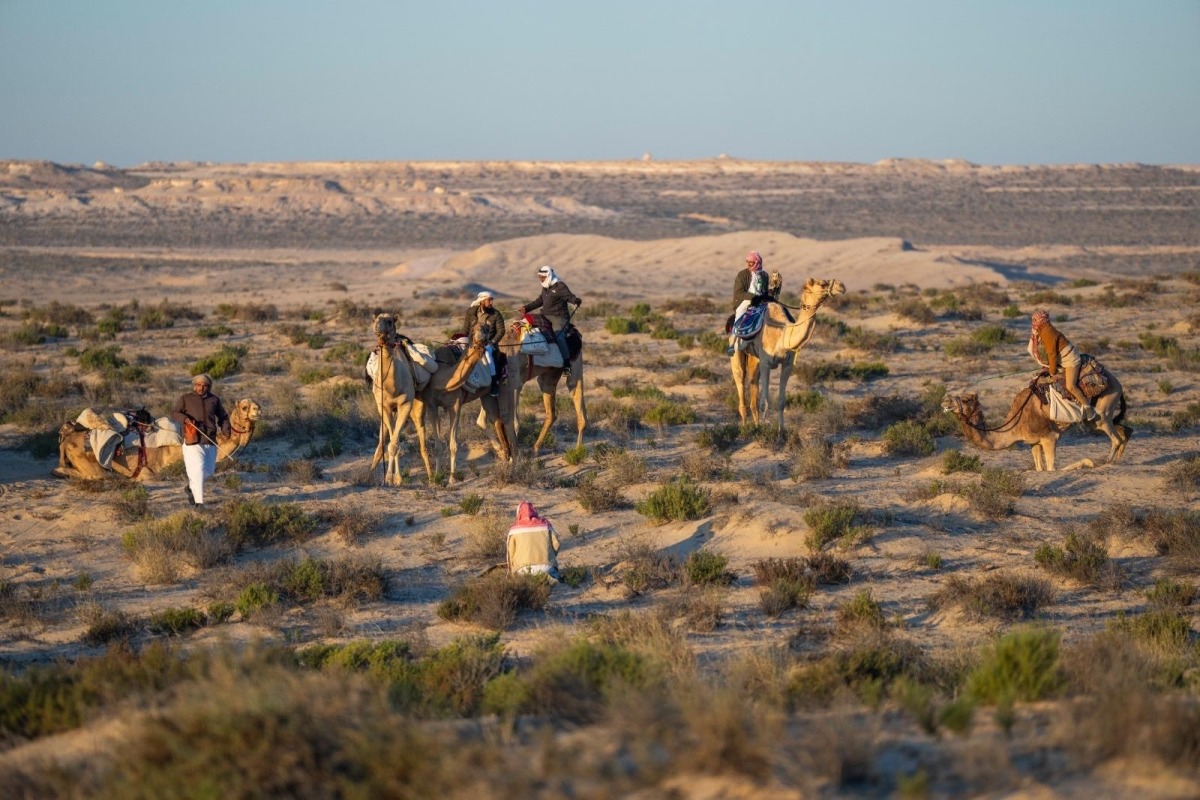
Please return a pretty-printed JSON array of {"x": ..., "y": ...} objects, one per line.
[
  {"x": 253, "y": 522},
  {"x": 1169, "y": 594},
  {"x": 1022, "y": 665},
  {"x": 102, "y": 358},
  {"x": 621, "y": 326},
  {"x": 670, "y": 413},
  {"x": 908, "y": 438},
  {"x": 255, "y": 598},
  {"x": 575, "y": 682},
  {"x": 594, "y": 494},
  {"x": 646, "y": 568},
  {"x": 866, "y": 370},
  {"x": 471, "y": 503},
  {"x": 1081, "y": 558},
  {"x": 1011, "y": 311},
  {"x": 576, "y": 455},
  {"x": 833, "y": 523},
  {"x": 705, "y": 567},
  {"x": 862, "y": 610},
  {"x": 176, "y": 621},
  {"x": 954, "y": 461},
  {"x": 914, "y": 309},
  {"x": 722, "y": 436},
  {"x": 1164, "y": 630},
  {"x": 225, "y": 361},
  {"x": 679, "y": 500},
  {"x": 213, "y": 331},
  {"x": 784, "y": 594},
  {"x": 993, "y": 496}
]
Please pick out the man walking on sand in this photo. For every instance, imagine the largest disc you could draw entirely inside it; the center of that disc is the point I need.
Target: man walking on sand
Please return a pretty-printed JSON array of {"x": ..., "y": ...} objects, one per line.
[{"x": 201, "y": 414}]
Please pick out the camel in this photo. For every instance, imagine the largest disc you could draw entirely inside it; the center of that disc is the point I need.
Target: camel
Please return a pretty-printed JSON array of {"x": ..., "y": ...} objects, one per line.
[
  {"x": 394, "y": 394},
  {"x": 76, "y": 461},
  {"x": 446, "y": 390},
  {"x": 521, "y": 369},
  {"x": 1028, "y": 421},
  {"x": 776, "y": 345}
]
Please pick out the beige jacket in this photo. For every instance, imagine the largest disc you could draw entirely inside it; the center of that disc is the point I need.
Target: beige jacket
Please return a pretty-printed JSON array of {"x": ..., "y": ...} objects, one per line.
[{"x": 533, "y": 548}]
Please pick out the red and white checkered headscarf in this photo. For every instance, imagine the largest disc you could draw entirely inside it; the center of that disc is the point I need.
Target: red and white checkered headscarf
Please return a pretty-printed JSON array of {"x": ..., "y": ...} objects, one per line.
[
  {"x": 754, "y": 260},
  {"x": 1039, "y": 319}
]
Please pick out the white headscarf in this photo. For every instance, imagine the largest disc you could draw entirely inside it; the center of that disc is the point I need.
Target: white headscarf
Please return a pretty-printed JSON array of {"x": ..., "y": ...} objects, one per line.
[
  {"x": 549, "y": 278},
  {"x": 479, "y": 298}
]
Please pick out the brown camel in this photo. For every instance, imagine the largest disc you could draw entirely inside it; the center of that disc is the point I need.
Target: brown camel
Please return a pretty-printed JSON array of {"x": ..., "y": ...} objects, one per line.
[
  {"x": 76, "y": 461},
  {"x": 394, "y": 396},
  {"x": 1028, "y": 421},
  {"x": 521, "y": 369},
  {"x": 446, "y": 390},
  {"x": 776, "y": 345}
]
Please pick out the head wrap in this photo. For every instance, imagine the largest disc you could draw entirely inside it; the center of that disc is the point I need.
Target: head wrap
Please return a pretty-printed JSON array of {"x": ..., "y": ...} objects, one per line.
[
  {"x": 202, "y": 378},
  {"x": 484, "y": 295},
  {"x": 754, "y": 259},
  {"x": 548, "y": 276},
  {"x": 1039, "y": 319},
  {"x": 528, "y": 515}
]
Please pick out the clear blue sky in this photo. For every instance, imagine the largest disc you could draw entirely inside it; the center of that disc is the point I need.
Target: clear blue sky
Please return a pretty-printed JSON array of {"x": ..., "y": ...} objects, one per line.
[{"x": 996, "y": 81}]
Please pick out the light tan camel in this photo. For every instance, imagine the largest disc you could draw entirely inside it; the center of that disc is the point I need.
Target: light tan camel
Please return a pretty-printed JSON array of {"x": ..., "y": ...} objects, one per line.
[
  {"x": 447, "y": 390},
  {"x": 394, "y": 394},
  {"x": 1028, "y": 421},
  {"x": 521, "y": 369},
  {"x": 76, "y": 461},
  {"x": 776, "y": 345}
]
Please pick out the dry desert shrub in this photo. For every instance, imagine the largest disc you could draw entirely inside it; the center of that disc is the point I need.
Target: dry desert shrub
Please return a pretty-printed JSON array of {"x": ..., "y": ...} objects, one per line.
[
  {"x": 162, "y": 549},
  {"x": 879, "y": 411},
  {"x": 621, "y": 468},
  {"x": 815, "y": 457},
  {"x": 999, "y": 595},
  {"x": 496, "y": 599},
  {"x": 993, "y": 496},
  {"x": 677, "y": 500},
  {"x": 701, "y": 610},
  {"x": 843, "y": 522},
  {"x": 1183, "y": 476},
  {"x": 595, "y": 493},
  {"x": 486, "y": 535},
  {"x": 105, "y": 625},
  {"x": 274, "y": 585},
  {"x": 864, "y": 666},
  {"x": 1082, "y": 558},
  {"x": 352, "y": 523},
  {"x": 859, "y": 612},
  {"x": 1169, "y": 594},
  {"x": 254, "y": 522},
  {"x": 643, "y": 568}
]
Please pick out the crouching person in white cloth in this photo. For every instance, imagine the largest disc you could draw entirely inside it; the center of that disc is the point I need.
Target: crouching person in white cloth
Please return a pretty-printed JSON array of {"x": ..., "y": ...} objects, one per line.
[
  {"x": 201, "y": 415},
  {"x": 532, "y": 544}
]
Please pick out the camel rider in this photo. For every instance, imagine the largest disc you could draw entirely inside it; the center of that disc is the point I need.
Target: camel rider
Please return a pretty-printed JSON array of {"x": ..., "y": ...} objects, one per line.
[
  {"x": 749, "y": 289},
  {"x": 1059, "y": 350},
  {"x": 553, "y": 302},
  {"x": 484, "y": 312}
]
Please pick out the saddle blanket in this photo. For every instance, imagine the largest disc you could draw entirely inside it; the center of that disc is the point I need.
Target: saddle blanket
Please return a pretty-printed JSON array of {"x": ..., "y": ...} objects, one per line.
[
  {"x": 750, "y": 323},
  {"x": 1093, "y": 380},
  {"x": 551, "y": 358}
]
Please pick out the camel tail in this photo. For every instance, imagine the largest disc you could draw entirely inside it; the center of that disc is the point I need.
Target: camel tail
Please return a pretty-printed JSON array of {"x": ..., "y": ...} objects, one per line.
[{"x": 1120, "y": 414}]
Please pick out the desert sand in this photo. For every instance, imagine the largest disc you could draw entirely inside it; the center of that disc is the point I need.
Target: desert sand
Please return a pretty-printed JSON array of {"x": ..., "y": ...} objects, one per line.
[{"x": 64, "y": 565}]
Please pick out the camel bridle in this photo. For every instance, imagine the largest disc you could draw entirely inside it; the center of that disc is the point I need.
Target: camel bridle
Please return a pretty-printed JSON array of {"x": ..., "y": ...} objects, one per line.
[{"x": 1003, "y": 427}]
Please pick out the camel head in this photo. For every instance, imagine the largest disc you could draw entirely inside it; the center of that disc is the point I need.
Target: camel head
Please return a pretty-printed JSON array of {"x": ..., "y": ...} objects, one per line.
[
  {"x": 481, "y": 335},
  {"x": 247, "y": 409},
  {"x": 817, "y": 290},
  {"x": 384, "y": 327},
  {"x": 964, "y": 407}
]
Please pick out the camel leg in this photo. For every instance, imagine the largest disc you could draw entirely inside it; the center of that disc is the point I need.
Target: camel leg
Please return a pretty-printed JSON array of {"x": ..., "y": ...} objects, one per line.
[
  {"x": 1036, "y": 449},
  {"x": 548, "y": 401},
  {"x": 383, "y": 431},
  {"x": 580, "y": 405},
  {"x": 420, "y": 409},
  {"x": 455, "y": 411},
  {"x": 753, "y": 381},
  {"x": 1124, "y": 432},
  {"x": 737, "y": 365},
  {"x": 785, "y": 374},
  {"x": 403, "y": 411},
  {"x": 1048, "y": 448}
]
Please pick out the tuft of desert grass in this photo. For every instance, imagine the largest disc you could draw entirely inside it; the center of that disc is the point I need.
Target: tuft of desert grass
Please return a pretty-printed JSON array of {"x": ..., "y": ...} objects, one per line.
[
  {"x": 1000, "y": 595},
  {"x": 644, "y": 568},
  {"x": 1081, "y": 558},
  {"x": 495, "y": 599},
  {"x": 162, "y": 550},
  {"x": 486, "y": 535}
]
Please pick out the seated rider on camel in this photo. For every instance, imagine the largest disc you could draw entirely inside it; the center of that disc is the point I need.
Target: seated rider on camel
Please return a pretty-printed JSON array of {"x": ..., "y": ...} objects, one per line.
[
  {"x": 484, "y": 312},
  {"x": 749, "y": 289},
  {"x": 1059, "y": 350},
  {"x": 553, "y": 301}
]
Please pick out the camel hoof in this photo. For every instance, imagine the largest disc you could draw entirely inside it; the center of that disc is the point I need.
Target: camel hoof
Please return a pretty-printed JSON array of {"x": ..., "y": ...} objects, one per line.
[{"x": 59, "y": 472}]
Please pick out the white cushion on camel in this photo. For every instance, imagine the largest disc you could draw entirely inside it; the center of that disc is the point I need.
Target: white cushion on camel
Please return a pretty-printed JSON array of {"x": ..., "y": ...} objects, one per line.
[
  {"x": 535, "y": 344},
  {"x": 1062, "y": 409}
]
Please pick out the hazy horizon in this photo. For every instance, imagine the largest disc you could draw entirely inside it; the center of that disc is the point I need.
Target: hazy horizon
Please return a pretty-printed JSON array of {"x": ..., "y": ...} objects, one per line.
[{"x": 132, "y": 81}]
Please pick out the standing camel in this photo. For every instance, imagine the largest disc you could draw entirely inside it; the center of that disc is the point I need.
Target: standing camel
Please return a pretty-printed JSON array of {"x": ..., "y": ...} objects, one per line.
[
  {"x": 394, "y": 396},
  {"x": 76, "y": 461},
  {"x": 447, "y": 390},
  {"x": 521, "y": 369},
  {"x": 1028, "y": 421},
  {"x": 776, "y": 345}
]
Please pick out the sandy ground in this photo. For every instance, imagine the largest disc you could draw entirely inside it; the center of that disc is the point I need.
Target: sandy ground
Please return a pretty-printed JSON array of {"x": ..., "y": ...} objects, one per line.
[{"x": 51, "y": 532}]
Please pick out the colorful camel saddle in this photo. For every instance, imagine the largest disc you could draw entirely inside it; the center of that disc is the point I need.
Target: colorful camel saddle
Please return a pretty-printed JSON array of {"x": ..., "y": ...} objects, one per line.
[{"x": 750, "y": 323}]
